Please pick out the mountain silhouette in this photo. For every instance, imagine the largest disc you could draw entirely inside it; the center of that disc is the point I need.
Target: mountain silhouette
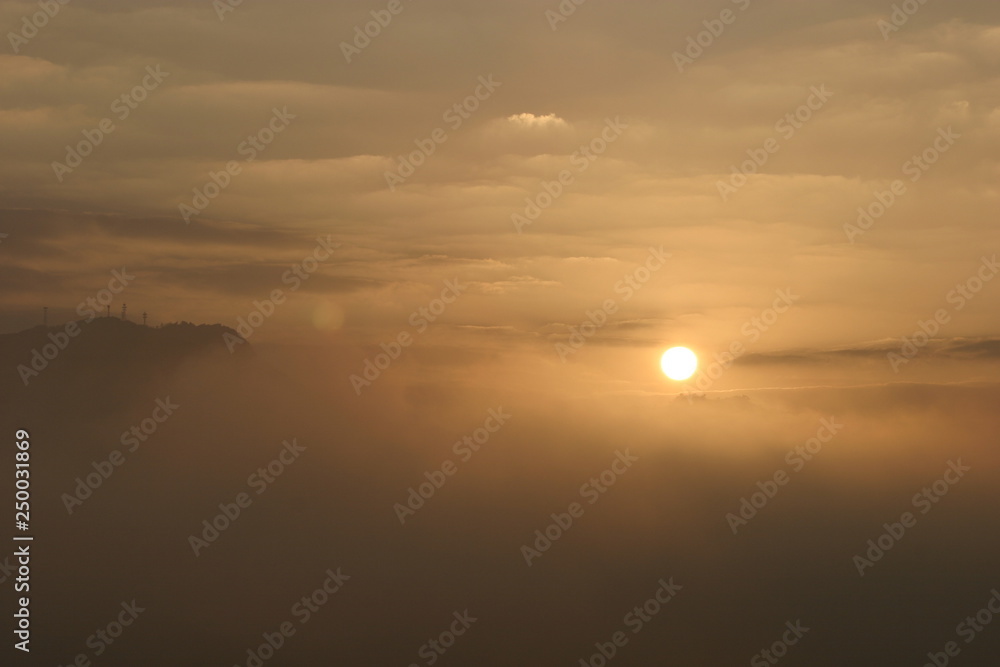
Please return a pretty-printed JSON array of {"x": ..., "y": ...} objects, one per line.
[{"x": 98, "y": 361}]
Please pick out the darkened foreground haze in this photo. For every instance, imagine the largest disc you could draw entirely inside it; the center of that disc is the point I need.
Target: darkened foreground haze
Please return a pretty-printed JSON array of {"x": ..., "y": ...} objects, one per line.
[{"x": 659, "y": 484}]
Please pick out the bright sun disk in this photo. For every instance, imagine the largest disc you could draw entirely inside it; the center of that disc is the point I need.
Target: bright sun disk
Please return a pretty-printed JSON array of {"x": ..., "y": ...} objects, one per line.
[{"x": 679, "y": 363}]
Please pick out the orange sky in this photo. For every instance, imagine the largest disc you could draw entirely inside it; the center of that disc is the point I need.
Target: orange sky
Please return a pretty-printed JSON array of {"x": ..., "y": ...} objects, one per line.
[
  {"x": 817, "y": 111},
  {"x": 423, "y": 215}
]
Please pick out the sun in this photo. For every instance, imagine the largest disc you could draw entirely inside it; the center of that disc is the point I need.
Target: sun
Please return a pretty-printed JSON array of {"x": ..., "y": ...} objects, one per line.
[{"x": 679, "y": 363}]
